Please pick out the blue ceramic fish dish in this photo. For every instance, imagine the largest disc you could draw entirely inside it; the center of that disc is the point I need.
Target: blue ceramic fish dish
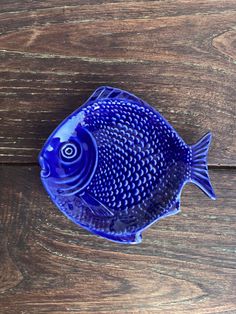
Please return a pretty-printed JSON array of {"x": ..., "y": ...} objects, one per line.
[{"x": 115, "y": 166}]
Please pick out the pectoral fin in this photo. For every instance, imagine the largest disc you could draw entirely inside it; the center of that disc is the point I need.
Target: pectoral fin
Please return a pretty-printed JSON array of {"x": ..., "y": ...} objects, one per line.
[{"x": 96, "y": 207}]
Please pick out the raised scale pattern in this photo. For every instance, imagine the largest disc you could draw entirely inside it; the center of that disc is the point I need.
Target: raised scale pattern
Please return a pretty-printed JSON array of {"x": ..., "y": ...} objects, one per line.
[{"x": 115, "y": 166}]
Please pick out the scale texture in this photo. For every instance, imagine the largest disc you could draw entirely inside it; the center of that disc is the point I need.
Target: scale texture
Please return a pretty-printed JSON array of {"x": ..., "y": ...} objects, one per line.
[
  {"x": 115, "y": 166},
  {"x": 179, "y": 56}
]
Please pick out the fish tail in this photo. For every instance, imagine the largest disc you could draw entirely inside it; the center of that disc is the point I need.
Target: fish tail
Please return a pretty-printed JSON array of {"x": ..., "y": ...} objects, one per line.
[{"x": 199, "y": 171}]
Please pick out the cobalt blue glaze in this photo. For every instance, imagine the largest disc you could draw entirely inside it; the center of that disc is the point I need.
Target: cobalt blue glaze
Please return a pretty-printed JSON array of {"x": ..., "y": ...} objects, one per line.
[{"x": 115, "y": 166}]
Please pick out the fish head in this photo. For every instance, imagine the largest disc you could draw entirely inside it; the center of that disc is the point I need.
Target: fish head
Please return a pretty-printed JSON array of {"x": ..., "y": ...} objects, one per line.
[{"x": 68, "y": 159}]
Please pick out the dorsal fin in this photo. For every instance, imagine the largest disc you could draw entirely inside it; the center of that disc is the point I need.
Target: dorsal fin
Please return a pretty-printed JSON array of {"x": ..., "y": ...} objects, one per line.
[{"x": 107, "y": 92}]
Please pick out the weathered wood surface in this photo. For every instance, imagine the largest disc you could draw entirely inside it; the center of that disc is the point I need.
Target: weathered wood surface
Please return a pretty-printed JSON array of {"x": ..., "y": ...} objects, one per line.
[
  {"x": 178, "y": 55},
  {"x": 185, "y": 264}
]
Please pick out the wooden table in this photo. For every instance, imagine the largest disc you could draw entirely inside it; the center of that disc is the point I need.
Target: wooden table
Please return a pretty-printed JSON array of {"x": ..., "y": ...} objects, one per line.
[{"x": 179, "y": 56}]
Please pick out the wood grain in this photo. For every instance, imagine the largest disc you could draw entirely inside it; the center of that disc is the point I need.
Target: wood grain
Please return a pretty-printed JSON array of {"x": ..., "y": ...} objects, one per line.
[
  {"x": 177, "y": 55},
  {"x": 180, "y": 57},
  {"x": 49, "y": 265}
]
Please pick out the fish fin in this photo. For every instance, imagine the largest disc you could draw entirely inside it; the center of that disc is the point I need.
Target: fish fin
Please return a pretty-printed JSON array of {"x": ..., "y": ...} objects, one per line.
[
  {"x": 133, "y": 238},
  {"x": 96, "y": 207},
  {"x": 101, "y": 93},
  {"x": 107, "y": 92},
  {"x": 199, "y": 171}
]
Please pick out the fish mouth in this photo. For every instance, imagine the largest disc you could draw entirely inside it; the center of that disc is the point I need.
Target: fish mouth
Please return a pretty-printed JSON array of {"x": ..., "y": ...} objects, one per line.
[{"x": 45, "y": 169}]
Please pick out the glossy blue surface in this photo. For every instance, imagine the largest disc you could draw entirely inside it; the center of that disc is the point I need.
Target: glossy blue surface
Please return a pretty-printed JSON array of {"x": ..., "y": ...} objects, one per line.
[{"x": 115, "y": 166}]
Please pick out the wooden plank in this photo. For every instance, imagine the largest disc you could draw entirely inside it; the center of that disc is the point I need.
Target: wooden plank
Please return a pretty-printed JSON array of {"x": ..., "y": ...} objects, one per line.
[
  {"x": 185, "y": 263},
  {"x": 177, "y": 55}
]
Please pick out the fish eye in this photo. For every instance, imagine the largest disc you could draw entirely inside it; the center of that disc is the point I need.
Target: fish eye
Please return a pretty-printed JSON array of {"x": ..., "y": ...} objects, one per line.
[{"x": 69, "y": 152}]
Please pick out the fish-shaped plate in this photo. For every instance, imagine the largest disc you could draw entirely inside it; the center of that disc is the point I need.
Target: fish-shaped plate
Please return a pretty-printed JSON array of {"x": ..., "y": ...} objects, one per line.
[{"x": 115, "y": 166}]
